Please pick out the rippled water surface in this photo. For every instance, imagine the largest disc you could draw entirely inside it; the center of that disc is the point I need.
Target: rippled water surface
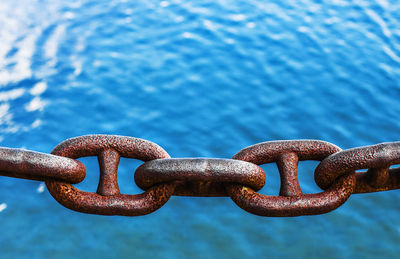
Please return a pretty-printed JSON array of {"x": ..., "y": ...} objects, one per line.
[{"x": 199, "y": 78}]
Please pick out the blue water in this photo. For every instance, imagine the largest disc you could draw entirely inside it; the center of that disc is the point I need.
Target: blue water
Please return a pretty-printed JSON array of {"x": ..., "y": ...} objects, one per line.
[{"x": 201, "y": 79}]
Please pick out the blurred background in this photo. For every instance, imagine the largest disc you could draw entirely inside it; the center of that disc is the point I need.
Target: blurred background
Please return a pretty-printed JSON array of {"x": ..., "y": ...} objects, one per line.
[{"x": 201, "y": 79}]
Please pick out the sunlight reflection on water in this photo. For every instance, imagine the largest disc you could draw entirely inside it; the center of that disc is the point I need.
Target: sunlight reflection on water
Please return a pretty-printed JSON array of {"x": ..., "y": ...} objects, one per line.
[{"x": 201, "y": 79}]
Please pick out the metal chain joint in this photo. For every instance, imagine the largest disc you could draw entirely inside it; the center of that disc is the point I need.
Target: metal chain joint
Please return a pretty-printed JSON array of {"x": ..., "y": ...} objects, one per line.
[{"x": 239, "y": 178}]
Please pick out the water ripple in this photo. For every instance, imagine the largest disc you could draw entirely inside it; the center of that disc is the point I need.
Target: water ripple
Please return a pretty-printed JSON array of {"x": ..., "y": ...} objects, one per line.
[{"x": 201, "y": 79}]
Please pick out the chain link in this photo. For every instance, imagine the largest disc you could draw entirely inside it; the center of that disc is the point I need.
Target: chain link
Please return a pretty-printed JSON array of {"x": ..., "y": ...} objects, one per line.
[
  {"x": 21, "y": 163},
  {"x": 199, "y": 176},
  {"x": 291, "y": 201},
  {"x": 108, "y": 200},
  {"x": 377, "y": 159},
  {"x": 239, "y": 178}
]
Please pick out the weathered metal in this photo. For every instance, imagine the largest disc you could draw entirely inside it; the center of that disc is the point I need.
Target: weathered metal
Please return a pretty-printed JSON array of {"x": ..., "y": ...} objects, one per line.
[
  {"x": 377, "y": 158},
  {"x": 108, "y": 200},
  {"x": 291, "y": 201},
  {"x": 240, "y": 177},
  {"x": 199, "y": 176},
  {"x": 21, "y": 163}
]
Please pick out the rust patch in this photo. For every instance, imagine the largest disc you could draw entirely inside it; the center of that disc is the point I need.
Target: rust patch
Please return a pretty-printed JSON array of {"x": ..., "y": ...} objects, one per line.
[
  {"x": 291, "y": 202},
  {"x": 199, "y": 176},
  {"x": 20, "y": 163},
  {"x": 108, "y": 200}
]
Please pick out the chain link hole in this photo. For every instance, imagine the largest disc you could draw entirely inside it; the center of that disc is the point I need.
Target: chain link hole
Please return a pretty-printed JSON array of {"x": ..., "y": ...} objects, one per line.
[
  {"x": 305, "y": 173},
  {"x": 89, "y": 184},
  {"x": 126, "y": 181},
  {"x": 361, "y": 171},
  {"x": 273, "y": 180},
  {"x": 365, "y": 170}
]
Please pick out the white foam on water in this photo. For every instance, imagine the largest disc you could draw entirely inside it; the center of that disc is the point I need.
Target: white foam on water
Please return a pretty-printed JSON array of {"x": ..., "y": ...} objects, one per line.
[
  {"x": 12, "y": 94},
  {"x": 3, "y": 206},
  {"x": 41, "y": 188},
  {"x": 36, "y": 104},
  {"x": 382, "y": 24},
  {"x": 164, "y": 3},
  {"x": 238, "y": 17},
  {"x": 391, "y": 54},
  {"x": 38, "y": 88},
  {"x": 51, "y": 46}
]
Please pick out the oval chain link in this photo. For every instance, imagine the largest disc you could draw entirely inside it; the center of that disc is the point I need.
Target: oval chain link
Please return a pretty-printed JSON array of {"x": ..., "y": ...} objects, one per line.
[
  {"x": 25, "y": 164},
  {"x": 376, "y": 158},
  {"x": 108, "y": 200},
  {"x": 204, "y": 177},
  {"x": 291, "y": 202}
]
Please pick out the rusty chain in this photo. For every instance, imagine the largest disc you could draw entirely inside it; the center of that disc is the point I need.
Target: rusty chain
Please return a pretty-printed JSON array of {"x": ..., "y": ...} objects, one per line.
[{"x": 240, "y": 178}]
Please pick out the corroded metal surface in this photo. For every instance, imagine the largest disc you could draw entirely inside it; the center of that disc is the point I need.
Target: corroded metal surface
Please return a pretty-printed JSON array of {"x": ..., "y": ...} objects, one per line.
[
  {"x": 291, "y": 201},
  {"x": 92, "y": 145},
  {"x": 38, "y": 166},
  {"x": 240, "y": 177},
  {"x": 268, "y": 152},
  {"x": 199, "y": 176},
  {"x": 377, "y": 158},
  {"x": 119, "y": 204},
  {"x": 108, "y": 200},
  {"x": 305, "y": 204}
]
